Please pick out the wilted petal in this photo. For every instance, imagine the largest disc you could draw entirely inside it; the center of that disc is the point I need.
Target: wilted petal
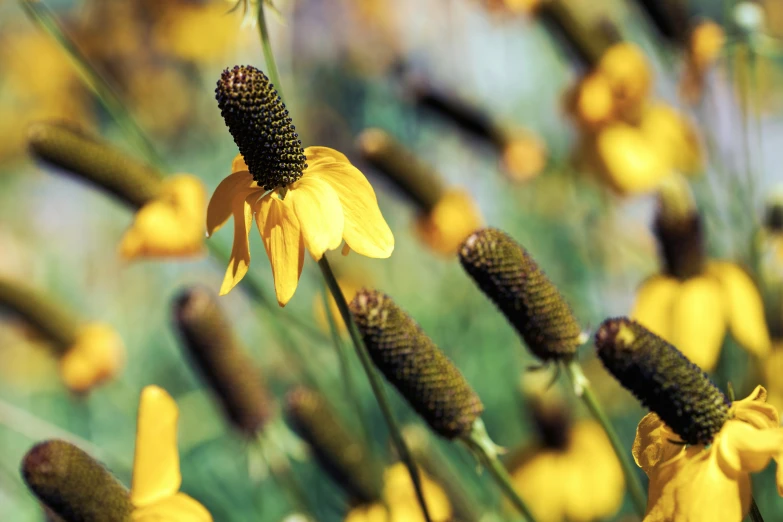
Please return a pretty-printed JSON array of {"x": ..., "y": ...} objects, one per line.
[
  {"x": 652, "y": 446},
  {"x": 282, "y": 237},
  {"x": 320, "y": 214},
  {"x": 653, "y": 306},
  {"x": 699, "y": 321},
  {"x": 221, "y": 203},
  {"x": 179, "y": 508}
]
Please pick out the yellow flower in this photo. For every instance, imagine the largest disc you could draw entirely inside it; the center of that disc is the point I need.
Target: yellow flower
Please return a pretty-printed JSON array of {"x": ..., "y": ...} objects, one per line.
[
  {"x": 704, "y": 48},
  {"x": 171, "y": 223},
  {"x": 401, "y": 498},
  {"x": 591, "y": 101},
  {"x": 673, "y": 136},
  {"x": 453, "y": 218},
  {"x": 195, "y": 32},
  {"x": 156, "y": 476},
  {"x": 524, "y": 157},
  {"x": 695, "y": 483},
  {"x": 630, "y": 77},
  {"x": 772, "y": 369},
  {"x": 557, "y": 483},
  {"x": 96, "y": 355},
  {"x": 302, "y": 199}
]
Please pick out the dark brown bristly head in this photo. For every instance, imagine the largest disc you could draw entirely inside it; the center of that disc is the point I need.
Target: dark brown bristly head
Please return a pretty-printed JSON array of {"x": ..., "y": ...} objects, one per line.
[
  {"x": 73, "y": 485},
  {"x": 663, "y": 379},
  {"x": 213, "y": 348},
  {"x": 412, "y": 362},
  {"x": 507, "y": 274}
]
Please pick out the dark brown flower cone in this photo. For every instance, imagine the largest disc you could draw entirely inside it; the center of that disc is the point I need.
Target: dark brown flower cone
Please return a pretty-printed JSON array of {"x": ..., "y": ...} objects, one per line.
[
  {"x": 507, "y": 274},
  {"x": 222, "y": 361},
  {"x": 678, "y": 228},
  {"x": 415, "y": 178},
  {"x": 337, "y": 451},
  {"x": 773, "y": 216},
  {"x": 412, "y": 362},
  {"x": 95, "y": 161},
  {"x": 669, "y": 17},
  {"x": 663, "y": 379},
  {"x": 73, "y": 485}
]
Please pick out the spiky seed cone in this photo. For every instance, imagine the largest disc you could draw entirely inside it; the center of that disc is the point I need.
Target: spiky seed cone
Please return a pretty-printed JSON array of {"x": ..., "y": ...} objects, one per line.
[
  {"x": 507, "y": 274},
  {"x": 409, "y": 359},
  {"x": 257, "y": 119},
  {"x": 73, "y": 485},
  {"x": 336, "y": 450},
  {"x": 663, "y": 379},
  {"x": 222, "y": 361},
  {"x": 96, "y": 161},
  {"x": 678, "y": 228}
]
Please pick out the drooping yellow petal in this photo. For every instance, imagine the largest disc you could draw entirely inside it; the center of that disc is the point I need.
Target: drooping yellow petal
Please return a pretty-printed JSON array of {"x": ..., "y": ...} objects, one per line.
[
  {"x": 453, "y": 218},
  {"x": 240, "y": 251},
  {"x": 317, "y": 155},
  {"x": 540, "y": 484},
  {"x": 630, "y": 163},
  {"x": 654, "y": 302},
  {"x": 699, "y": 321},
  {"x": 222, "y": 201},
  {"x": 365, "y": 230},
  {"x": 238, "y": 164},
  {"x": 652, "y": 446},
  {"x": 282, "y": 237},
  {"x": 156, "y": 472},
  {"x": 755, "y": 411},
  {"x": 743, "y": 448},
  {"x": 97, "y": 355},
  {"x": 320, "y": 214},
  {"x": 171, "y": 224},
  {"x": 745, "y": 308},
  {"x": 179, "y": 508}
]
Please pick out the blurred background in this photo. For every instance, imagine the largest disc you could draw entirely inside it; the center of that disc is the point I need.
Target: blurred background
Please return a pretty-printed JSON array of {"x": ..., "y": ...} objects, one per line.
[{"x": 513, "y": 105}]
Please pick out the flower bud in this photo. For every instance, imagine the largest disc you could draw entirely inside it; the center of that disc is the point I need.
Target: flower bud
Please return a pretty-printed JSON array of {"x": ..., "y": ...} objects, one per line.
[{"x": 409, "y": 359}]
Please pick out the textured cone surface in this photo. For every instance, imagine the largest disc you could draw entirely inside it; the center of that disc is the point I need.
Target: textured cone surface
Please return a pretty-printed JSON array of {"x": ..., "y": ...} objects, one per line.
[
  {"x": 222, "y": 361},
  {"x": 121, "y": 175},
  {"x": 663, "y": 379},
  {"x": 507, "y": 274},
  {"x": 337, "y": 451},
  {"x": 415, "y": 366},
  {"x": 73, "y": 485},
  {"x": 258, "y": 120}
]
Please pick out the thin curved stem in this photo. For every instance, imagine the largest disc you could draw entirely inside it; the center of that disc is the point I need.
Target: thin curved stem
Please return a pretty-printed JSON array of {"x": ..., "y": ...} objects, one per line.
[
  {"x": 266, "y": 45},
  {"x": 584, "y": 391},
  {"x": 375, "y": 382}
]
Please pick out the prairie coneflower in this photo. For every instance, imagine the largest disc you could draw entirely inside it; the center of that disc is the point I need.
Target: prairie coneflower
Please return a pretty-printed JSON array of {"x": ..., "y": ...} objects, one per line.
[
  {"x": 694, "y": 300},
  {"x": 703, "y": 50},
  {"x": 309, "y": 198},
  {"x": 77, "y": 488},
  {"x": 697, "y": 447}
]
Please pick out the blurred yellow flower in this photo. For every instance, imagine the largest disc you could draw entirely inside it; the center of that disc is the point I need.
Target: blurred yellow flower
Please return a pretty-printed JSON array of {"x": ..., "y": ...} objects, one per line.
[
  {"x": 772, "y": 369},
  {"x": 513, "y": 6},
  {"x": 331, "y": 202},
  {"x": 453, "y": 218},
  {"x": 695, "y": 483},
  {"x": 629, "y": 75},
  {"x": 195, "y": 32},
  {"x": 694, "y": 314},
  {"x": 524, "y": 157},
  {"x": 591, "y": 101},
  {"x": 156, "y": 475},
  {"x": 171, "y": 224},
  {"x": 96, "y": 355},
  {"x": 673, "y": 136},
  {"x": 401, "y": 498},
  {"x": 704, "y": 48},
  {"x": 557, "y": 483}
]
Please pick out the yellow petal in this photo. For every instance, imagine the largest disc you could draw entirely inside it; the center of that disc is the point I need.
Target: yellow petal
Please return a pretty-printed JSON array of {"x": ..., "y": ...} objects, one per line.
[
  {"x": 323, "y": 154},
  {"x": 239, "y": 165},
  {"x": 652, "y": 446},
  {"x": 171, "y": 224},
  {"x": 755, "y": 411},
  {"x": 653, "y": 306},
  {"x": 453, "y": 218},
  {"x": 280, "y": 232},
  {"x": 539, "y": 481},
  {"x": 743, "y": 448},
  {"x": 320, "y": 214},
  {"x": 156, "y": 461},
  {"x": 240, "y": 251},
  {"x": 179, "y": 508},
  {"x": 365, "y": 230},
  {"x": 699, "y": 321},
  {"x": 97, "y": 354},
  {"x": 222, "y": 201},
  {"x": 674, "y": 137},
  {"x": 745, "y": 308},
  {"x": 630, "y": 162}
]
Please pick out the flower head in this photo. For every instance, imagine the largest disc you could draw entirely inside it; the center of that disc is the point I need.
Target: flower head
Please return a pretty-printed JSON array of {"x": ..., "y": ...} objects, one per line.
[
  {"x": 96, "y": 355},
  {"x": 302, "y": 199}
]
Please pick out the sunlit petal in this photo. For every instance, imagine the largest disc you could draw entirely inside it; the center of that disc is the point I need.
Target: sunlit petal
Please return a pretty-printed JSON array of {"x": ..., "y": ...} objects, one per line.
[
  {"x": 280, "y": 232},
  {"x": 653, "y": 306},
  {"x": 156, "y": 472},
  {"x": 320, "y": 214},
  {"x": 652, "y": 445},
  {"x": 221, "y": 203},
  {"x": 240, "y": 251},
  {"x": 743, "y": 448},
  {"x": 238, "y": 164},
  {"x": 699, "y": 321},
  {"x": 179, "y": 508},
  {"x": 318, "y": 155}
]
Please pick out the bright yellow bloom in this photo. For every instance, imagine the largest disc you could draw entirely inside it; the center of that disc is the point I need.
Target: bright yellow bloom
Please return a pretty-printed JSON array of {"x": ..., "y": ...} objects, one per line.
[
  {"x": 331, "y": 202},
  {"x": 401, "y": 498},
  {"x": 694, "y": 314},
  {"x": 630, "y": 77},
  {"x": 156, "y": 476},
  {"x": 96, "y": 355},
  {"x": 558, "y": 484},
  {"x": 453, "y": 218},
  {"x": 673, "y": 136},
  {"x": 699, "y": 483},
  {"x": 524, "y": 157},
  {"x": 591, "y": 102},
  {"x": 171, "y": 224}
]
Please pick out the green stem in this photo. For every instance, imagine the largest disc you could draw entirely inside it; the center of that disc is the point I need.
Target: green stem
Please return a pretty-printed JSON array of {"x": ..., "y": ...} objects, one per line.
[
  {"x": 755, "y": 514},
  {"x": 375, "y": 382},
  {"x": 266, "y": 45},
  {"x": 584, "y": 391}
]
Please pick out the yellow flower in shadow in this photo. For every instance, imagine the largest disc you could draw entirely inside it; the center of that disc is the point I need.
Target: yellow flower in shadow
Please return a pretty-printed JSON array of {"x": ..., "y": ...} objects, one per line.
[
  {"x": 453, "y": 218},
  {"x": 170, "y": 224},
  {"x": 401, "y": 498},
  {"x": 331, "y": 202},
  {"x": 96, "y": 355},
  {"x": 695, "y": 483},
  {"x": 156, "y": 476},
  {"x": 557, "y": 483},
  {"x": 524, "y": 157}
]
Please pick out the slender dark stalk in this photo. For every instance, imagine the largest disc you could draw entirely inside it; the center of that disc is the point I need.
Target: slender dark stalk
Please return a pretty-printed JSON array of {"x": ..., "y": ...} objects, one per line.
[{"x": 755, "y": 514}]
